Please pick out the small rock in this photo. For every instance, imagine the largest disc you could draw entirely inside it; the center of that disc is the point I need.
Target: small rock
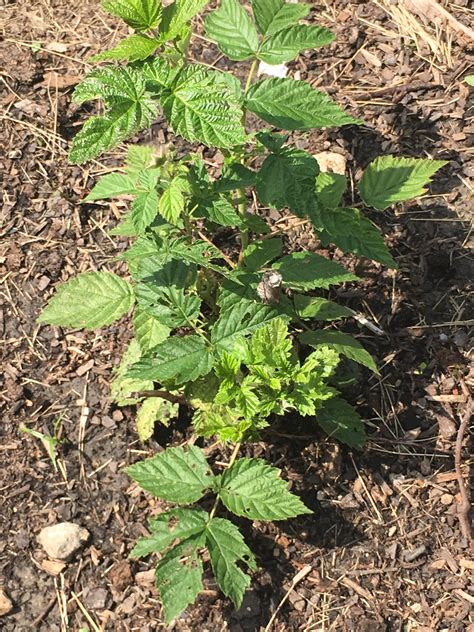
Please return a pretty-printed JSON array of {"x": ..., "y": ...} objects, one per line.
[
  {"x": 96, "y": 598},
  {"x": 330, "y": 161},
  {"x": 299, "y": 605},
  {"x": 446, "y": 499},
  {"x": 6, "y": 604},
  {"x": 62, "y": 540},
  {"x": 447, "y": 428},
  {"x": 43, "y": 283}
]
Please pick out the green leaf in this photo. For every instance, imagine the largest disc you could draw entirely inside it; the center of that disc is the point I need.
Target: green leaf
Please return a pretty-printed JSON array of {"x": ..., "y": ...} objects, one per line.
[
  {"x": 203, "y": 108},
  {"x": 178, "y": 14},
  {"x": 270, "y": 140},
  {"x": 319, "y": 308},
  {"x": 179, "y": 475},
  {"x": 342, "y": 343},
  {"x": 288, "y": 43},
  {"x": 232, "y": 30},
  {"x": 291, "y": 104},
  {"x": 469, "y": 79},
  {"x": 172, "y": 203},
  {"x": 227, "y": 547},
  {"x": 258, "y": 253},
  {"x": 129, "y": 110},
  {"x": 166, "y": 528},
  {"x": 158, "y": 74},
  {"x": 111, "y": 185},
  {"x": 179, "y": 359},
  {"x": 288, "y": 179},
  {"x": 307, "y": 271},
  {"x": 330, "y": 188},
  {"x": 254, "y": 489},
  {"x": 338, "y": 419},
  {"x": 90, "y": 300},
  {"x": 234, "y": 176},
  {"x": 144, "y": 209},
  {"x": 349, "y": 230},
  {"x": 200, "y": 253},
  {"x": 139, "y": 158},
  {"x": 122, "y": 387},
  {"x": 148, "y": 330},
  {"x": 288, "y": 15},
  {"x": 134, "y": 48},
  {"x": 241, "y": 320},
  {"x": 389, "y": 179},
  {"x": 139, "y": 14},
  {"x": 179, "y": 576},
  {"x": 154, "y": 409},
  {"x": 221, "y": 211},
  {"x": 175, "y": 307}
]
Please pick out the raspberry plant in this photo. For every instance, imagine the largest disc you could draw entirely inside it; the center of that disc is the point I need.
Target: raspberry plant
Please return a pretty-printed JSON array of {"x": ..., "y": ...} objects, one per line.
[{"x": 222, "y": 328}]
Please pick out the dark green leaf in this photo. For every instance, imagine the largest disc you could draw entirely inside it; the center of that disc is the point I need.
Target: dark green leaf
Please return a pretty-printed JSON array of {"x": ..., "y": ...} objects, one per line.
[
  {"x": 319, "y": 308},
  {"x": 338, "y": 419},
  {"x": 342, "y": 343},
  {"x": 288, "y": 43},
  {"x": 261, "y": 252},
  {"x": 307, "y": 271},
  {"x": 330, "y": 188},
  {"x": 139, "y": 14}
]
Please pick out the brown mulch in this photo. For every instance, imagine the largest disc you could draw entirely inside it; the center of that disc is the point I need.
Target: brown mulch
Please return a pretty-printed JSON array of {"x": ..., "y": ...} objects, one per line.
[{"x": 384, "y": 549}]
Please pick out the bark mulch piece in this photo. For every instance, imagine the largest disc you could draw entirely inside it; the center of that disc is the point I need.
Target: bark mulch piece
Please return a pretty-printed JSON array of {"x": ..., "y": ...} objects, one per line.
[{"x": 384, "y": 549}]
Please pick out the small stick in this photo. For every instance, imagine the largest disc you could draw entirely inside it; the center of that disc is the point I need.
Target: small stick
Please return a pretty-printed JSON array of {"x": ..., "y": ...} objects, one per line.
[
  {"x": 464, "y": 506},
  {"x": 296, "y": 580}
]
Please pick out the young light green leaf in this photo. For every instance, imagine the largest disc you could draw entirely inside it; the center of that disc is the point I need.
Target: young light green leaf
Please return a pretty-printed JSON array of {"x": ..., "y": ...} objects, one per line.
[
  {"x": 148, "y": 330},
  {"x": 179, "y": 475},
  {"x": 349, "y": 230},
  {"x": 291, "y": 104},
  {"x": 122, "y": 387},
  {"x": 389, "y": 179},
  {"x": 319, "y": 308},
  {"x": 144, "y": 209},
  {"x": 179, "y": 576},
  {"x": 342, "y": 343},
  {"x": 129, "y": 109},
  {"x": 202, "y": 108},
  {"x": 232, "y": 30},
  {"x": 338, "y": 419},
  {"x": 330, "y": 188},
  {"x": 287, "y": 44},
  {"x": 288, "y": 179},
  {"x": 151, "y": 410},
  {"x": 111, "y": 185},
  {"x": 307, "y": 271},
  {"x": 241, "y": 320},
  {"x": 166, "y": 528},
  {"x": 172, "y": 203},
  {"x": 178, "y": 14},
  {"x": 133, "y": 48},
  {"x": 258, "y": 253},
  {"x": 90, "y": 300},
  {"x": 178, "y": 359},
  {"x": 139, "y": 158},
  {"x": 254, "y": 489},
  {"x": 227, "y": 547},
  {"x": 139, "y": 14},
  {"x": 469, "y": 79}
]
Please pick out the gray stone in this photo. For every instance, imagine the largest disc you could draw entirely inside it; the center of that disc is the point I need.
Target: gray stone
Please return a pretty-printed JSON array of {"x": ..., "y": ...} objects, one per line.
[{"x": 62, "y": 540}]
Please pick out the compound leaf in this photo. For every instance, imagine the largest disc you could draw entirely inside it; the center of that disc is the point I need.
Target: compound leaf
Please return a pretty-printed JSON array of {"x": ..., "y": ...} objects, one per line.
[
  {"x": 179, "y": 359},
  {"x": 90, "y": 300},
  {"x": 339, "y": 419},
  {"x": 286, "y": 44},
  {"x": 389, "y": 179},
  {"x": 349, "y": 230},
  {"x": 307, "y": 271},
  {"x": 254, "y": 489},
  {"x": 139, "y": 14},
  {"x": 288, "y": 179},
  {"x": 232, "y": 30},
  {"x": 227, "y": 547},
  {"x": 342, "y": 343},
  {"x": 291, "y": 104},
  {"x": 179, "y": 475}
]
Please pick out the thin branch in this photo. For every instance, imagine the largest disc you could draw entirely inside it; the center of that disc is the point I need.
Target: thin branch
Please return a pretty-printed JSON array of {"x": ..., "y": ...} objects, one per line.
[{"x": 464, "y": 506}]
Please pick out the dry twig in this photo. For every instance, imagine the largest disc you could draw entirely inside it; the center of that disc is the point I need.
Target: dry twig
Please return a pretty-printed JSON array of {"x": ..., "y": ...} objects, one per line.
[{"x": 464, "y": 506}]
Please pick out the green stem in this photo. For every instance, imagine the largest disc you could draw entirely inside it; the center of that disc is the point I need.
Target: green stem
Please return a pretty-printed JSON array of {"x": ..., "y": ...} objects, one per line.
[
  {"x": 252, "y": 70},
  {"x": 231, "y": 462}
]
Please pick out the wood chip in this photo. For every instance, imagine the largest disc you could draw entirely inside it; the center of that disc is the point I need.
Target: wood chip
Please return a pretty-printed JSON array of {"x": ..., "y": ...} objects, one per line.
[{"x": 349, "y": 583}]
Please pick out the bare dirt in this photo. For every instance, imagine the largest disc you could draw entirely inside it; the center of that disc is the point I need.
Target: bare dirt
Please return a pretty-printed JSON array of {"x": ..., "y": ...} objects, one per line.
[{"x": 384, "y": 550}]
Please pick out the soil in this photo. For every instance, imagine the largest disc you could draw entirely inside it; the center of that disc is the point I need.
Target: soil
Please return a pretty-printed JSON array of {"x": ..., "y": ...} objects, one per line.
[{"x": 384, "y": 550}]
